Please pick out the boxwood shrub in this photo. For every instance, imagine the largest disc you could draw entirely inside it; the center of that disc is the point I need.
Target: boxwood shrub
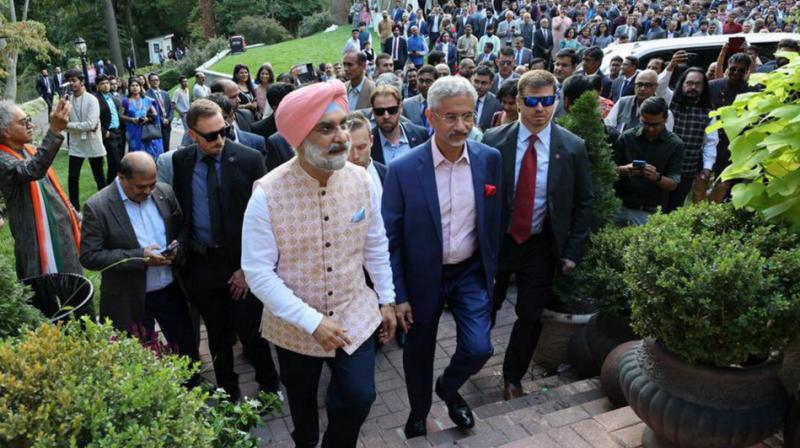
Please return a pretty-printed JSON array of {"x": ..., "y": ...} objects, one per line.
[{"x": 714, "y": 285}]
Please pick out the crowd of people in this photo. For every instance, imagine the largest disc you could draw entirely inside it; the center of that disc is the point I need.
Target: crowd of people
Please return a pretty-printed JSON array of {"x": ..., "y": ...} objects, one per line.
[{"x": 328, "y": 211}]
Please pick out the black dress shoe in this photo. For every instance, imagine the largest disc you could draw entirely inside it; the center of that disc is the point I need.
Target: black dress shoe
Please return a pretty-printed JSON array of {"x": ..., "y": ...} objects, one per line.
[
  {"x": 415, "y": 428},
  {"x": 458, "y": 409}
]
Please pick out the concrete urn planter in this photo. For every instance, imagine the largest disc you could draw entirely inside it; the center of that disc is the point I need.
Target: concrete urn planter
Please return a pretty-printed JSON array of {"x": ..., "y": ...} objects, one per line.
[{"x": 701, "y": 406}]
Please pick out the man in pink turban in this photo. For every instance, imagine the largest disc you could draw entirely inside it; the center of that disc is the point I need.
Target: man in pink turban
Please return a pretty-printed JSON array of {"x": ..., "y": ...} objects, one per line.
[{"x": 320, "y": 216}]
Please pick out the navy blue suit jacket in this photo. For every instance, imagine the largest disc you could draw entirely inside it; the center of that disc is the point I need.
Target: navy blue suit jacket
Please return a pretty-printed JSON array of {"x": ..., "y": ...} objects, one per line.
[{"x": 414, "y": 225}]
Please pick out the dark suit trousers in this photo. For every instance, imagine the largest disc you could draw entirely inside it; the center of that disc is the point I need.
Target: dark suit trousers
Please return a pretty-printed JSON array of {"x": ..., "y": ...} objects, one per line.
[
  {"x": 74, "y": 177},
  {"x": 113, "y": 154},
  {"x": 224, "y": 317},
  {"x": 168, "y": 307},
  {"x": 533, "y": 263},
  {"x": 351, "y": 393},
  {"x": 166, "y": 132},
  {"x": 48, "y": 98},
  {"x": 463, "y": 287}
]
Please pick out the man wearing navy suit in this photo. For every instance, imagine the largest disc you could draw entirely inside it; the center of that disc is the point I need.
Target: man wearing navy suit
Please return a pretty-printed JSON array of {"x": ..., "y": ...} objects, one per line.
[
  {"x": 547, "y": 211},
  {"x": 441, "y": 208},
  {"x": 163, "y": 106},
  {"x": 447, "y": 47}
]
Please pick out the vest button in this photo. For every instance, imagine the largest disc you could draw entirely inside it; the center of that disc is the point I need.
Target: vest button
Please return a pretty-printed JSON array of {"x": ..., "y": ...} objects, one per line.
[
  {"x": 330, "y": 269},
  {"x": 322, "y": 192},
  {"x": 330, "y": 293},
  {"x": 327, "y": 244},
  {"x": 330, "y": 313},
  {"x": 326, "y": 218}
]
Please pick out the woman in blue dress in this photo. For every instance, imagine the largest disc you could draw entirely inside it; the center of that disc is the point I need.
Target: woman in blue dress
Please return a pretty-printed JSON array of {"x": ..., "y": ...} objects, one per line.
[{"x": 138, "y": 110}]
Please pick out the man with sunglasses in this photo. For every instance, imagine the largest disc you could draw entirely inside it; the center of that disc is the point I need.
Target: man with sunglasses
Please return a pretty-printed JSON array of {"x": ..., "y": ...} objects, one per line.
[
  {"x": 390, "y": 138},
  {"x": 648, "y": 159},
  {"x": 213, "y": 179},
  {"x": 441, "y": 209},
  {"x": 547, "y": 208},
  {"x": 320, "y": 216},
  {"x": 505, "y": 68},
  {"x": 723, "y": 92}
]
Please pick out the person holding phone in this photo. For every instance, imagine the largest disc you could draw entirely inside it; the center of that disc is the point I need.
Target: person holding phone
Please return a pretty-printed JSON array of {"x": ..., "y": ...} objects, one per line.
[
  {"x": 648, "y": 159},
  {"x": 129, "y": 232}
]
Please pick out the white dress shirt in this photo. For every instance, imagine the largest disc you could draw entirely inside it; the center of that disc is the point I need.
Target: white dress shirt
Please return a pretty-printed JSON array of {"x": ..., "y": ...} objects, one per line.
[
  {"x": 375, "y": 178},
  {"x": 542, "y": 146},
  {"x": 148, "y": 225},
  {"x": 456, "y": 205},
  {"x": 260, "y": 257}
]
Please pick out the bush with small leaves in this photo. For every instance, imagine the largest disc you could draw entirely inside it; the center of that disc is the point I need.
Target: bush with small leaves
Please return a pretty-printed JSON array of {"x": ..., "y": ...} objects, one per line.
[
  {"x": 16, "y": 313},
  {"x": 262, "y": 30},
  {"x": 315, "y": 23},
  {"x": 714, "y": 285}
]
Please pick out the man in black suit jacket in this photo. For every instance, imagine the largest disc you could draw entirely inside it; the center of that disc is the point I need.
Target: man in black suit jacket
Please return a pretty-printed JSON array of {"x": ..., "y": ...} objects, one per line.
[
  {"x": 543, "y": 42},
  {"x": 488, "y": 104},
  {"x": 547, "y": 209},
  {"x": 58, "y": 79},
  {"x": 397, "y": 47},
  {"x": 213, "y": 179},
  {"x": 625, "y": 84},
  {"x": 46, "y": 89},
  {"x": 244, "y": 118},
  {"x": 110, "y": 125},
  {"x": 399, "y": 138}
]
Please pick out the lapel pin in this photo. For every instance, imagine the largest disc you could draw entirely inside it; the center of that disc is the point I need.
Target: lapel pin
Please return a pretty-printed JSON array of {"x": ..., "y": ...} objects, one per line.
[
  {"x": 558, "y": 156},
  {"x": 230, "y": 159}
]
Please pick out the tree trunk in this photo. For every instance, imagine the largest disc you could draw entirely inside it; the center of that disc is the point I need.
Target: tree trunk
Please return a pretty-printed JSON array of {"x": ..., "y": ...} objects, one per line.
[
  {"x": 10, "y": 90},
  {"x": 113, "y": 35},
  {"x": 207, "y": 17},
  {"x": 340, "y": 9}
]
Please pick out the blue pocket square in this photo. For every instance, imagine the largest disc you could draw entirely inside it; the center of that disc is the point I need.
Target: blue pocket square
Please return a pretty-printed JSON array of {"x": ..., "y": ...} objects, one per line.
[{"x": 359, "y": 216}]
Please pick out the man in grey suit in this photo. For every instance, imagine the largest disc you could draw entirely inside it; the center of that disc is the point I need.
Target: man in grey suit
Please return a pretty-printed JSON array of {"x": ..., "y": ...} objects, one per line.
[
  {"x": 414, "y": 107},
  {"x": 163, "y": 106},
  {"x": 487, "y": 103},
  {"x": 522, "y": 55},
  {"x": 129, "y": 231},
  {"x": 359, "y": 87},
  {"x": 547, "y": 209}
]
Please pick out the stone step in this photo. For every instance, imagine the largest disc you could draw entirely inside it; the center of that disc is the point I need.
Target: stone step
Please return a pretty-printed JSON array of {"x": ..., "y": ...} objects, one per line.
[{"x": 504, "y": 422}]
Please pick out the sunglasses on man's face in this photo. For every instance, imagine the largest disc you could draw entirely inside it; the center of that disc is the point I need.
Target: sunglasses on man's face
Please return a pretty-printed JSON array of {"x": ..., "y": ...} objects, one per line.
[
  {"x": 213, "y": 136},
  {"x": 380, "y": 111},
  {"x": 545, "y": 101}
]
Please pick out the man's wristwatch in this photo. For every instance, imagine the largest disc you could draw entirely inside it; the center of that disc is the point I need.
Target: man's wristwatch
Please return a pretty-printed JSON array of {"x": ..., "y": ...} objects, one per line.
[{"x": 658, "y": 178}]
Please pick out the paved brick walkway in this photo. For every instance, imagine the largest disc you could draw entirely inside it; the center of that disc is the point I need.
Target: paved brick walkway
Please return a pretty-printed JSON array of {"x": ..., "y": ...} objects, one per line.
[{"x": 559, "y": 411}]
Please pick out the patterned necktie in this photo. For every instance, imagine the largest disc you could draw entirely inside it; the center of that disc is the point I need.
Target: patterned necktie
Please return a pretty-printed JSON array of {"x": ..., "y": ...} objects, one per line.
[{"x": 522, "y": 216}]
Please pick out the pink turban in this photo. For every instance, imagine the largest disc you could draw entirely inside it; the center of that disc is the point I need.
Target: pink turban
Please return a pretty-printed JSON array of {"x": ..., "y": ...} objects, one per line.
[{"x": 302, "y": 109}]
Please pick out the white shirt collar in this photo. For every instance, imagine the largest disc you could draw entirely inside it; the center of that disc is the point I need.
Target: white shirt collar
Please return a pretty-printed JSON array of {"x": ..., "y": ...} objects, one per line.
[{"x": 543, "y": 135}]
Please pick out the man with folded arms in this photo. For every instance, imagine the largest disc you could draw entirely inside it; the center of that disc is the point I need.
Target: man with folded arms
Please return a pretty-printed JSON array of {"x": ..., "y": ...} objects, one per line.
[{"x": 320, "y": 216}]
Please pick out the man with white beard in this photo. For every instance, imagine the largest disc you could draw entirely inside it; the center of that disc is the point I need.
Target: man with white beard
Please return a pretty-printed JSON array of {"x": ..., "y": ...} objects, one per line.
[{"x": 320, "y": 216}]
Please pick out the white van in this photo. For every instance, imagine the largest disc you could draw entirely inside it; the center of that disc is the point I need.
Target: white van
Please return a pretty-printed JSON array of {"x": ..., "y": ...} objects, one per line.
[{"x": 707, "y": 48}]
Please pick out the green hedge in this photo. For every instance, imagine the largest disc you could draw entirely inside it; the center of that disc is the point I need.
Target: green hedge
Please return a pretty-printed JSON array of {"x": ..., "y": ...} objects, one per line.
[
  {"x": 262, "y": 30},
  {"x": 15, "y": 311},
  {"x": 315, "y": 23}
]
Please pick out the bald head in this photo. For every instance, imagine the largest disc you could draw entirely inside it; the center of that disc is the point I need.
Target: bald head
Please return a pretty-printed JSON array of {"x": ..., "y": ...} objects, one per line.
[
  {"x": 646, "y": 84},
  {"x": 137, "y": 175},
  {"x": 227, "y": 88}
]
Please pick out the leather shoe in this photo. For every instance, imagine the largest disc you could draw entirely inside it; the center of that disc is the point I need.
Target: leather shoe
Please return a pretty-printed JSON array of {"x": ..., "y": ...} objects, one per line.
[
  {"x": 458, "y": 409},
  {"x": 415, "y": 428},
  {"x": 512, "y": 390}
]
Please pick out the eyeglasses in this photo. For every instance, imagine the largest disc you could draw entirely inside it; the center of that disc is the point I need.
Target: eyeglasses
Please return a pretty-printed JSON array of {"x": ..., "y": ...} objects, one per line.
[
  {"x": 693, "y": 83},
  {"x": 213, "y": 136},
  {"x": 380, "y": 111},
  {"x": 733, "y": 69},
  {"x": 452, "y": 119},
  {"x": 504, "y": 63},
  {"x": 545, "y": 101},
  {"x": 425, "y": 81},
  {"x": 27, "y": 121},
  {"x": 645, "y": 85}
]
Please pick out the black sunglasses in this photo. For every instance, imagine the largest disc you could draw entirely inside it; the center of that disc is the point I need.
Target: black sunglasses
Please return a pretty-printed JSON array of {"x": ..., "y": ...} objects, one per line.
[
  {"x": 213, "y": 136},
  {"x": 379, "y": 111},
  {"x": 545, "y": 101}
]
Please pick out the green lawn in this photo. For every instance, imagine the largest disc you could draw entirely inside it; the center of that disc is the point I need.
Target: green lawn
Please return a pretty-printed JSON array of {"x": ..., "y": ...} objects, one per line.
[
  {"x": 87, "y": 188},
  {"x": 321, "y": 47}
]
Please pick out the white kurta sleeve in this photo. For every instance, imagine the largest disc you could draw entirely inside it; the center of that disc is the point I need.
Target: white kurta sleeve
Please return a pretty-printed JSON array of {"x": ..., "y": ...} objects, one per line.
[
  {"x": 710, "y": 142},
  {"x": 259, "y": 263},
  {"x": 376, "y": 251}
]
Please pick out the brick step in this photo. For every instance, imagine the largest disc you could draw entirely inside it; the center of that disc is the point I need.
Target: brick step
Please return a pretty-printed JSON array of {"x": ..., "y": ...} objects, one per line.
[{"x": 502, "y": 422}]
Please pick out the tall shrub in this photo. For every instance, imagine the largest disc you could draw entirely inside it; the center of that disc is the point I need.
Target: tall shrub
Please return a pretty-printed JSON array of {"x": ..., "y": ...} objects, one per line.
[
  {"x": 764, "y": 129},
  {"x": 584, "y": 120},
  {"x": 261, "y": 30},
  {"x": 315, "y": 23}
]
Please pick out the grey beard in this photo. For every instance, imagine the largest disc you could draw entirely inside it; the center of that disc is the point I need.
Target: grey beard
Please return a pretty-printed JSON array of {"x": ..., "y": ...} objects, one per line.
[{"x": 315, "y": 155}]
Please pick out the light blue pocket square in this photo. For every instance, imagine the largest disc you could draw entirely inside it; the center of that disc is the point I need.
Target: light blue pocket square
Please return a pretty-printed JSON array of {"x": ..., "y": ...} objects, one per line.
[{"x": 359, "y": 216}]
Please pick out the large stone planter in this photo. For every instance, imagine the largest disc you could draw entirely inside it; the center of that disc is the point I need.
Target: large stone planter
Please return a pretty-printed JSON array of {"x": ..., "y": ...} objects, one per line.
[
  {"x": 609, "y": 374},
  {"x": 591, "y": 344},
  {"x": 701, "y": 406},
  {"x": 557, "y": 330}
]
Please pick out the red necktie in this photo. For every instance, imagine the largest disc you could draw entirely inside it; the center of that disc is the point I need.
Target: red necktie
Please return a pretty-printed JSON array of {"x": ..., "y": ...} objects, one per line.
[{"x": 522, "y": 216}]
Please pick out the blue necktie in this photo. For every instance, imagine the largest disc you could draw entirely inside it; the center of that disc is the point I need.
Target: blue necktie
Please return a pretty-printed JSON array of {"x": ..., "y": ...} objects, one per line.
[{"x": 422, "y": 113}]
